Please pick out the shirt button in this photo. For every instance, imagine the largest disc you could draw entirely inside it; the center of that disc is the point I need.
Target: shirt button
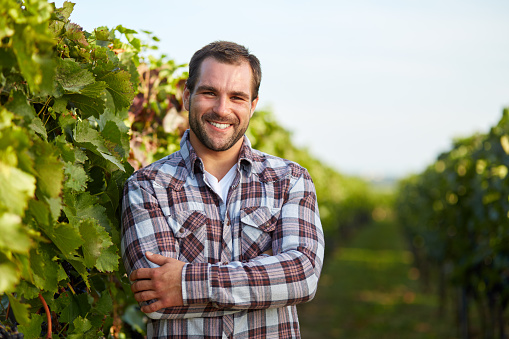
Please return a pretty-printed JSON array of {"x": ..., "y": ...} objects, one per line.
[{"x": 182, "y": 230}]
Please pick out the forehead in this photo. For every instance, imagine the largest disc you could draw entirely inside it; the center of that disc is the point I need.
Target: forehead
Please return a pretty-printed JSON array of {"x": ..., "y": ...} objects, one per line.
[{"x": 237, "y": 76}]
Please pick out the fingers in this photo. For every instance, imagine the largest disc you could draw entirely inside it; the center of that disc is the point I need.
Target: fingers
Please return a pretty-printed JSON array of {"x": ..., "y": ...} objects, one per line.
[
  {"x": 157, "y": 258},
  {"x": 145, "y": 296},
  {"x": 142, "y": 285},
  {"x": 146, "y": 273},
  {"x": 152, "y": 307},
  {"x": 141, "y": 273}
]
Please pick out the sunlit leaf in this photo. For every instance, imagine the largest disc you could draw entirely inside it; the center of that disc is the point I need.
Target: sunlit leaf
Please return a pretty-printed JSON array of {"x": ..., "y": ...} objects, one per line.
[
  {"x": 20, "y": 310},
  {"x": 97, "y": 240},
  {"x": 33, "y": 329},
  {"x": 10, "y": 276},
  {"x": 14, "y": 236}
]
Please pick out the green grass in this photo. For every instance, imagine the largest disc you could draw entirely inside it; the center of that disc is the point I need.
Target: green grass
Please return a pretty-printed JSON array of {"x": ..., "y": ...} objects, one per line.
[{"x": 369, "y": 289}]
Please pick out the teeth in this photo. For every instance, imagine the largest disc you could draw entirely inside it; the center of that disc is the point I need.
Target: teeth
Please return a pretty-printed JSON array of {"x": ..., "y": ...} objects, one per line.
[{"x": 220, "y": 126}]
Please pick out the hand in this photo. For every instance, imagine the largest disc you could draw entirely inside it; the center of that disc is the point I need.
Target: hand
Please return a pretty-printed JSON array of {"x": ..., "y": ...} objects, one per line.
[{"x": 163, "y": 284}]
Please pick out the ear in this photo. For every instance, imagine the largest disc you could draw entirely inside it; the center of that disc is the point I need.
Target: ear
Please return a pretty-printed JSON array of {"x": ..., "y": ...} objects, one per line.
[
  {"x": 253, "y": 105},
  {"x": 186, "y": 97}
]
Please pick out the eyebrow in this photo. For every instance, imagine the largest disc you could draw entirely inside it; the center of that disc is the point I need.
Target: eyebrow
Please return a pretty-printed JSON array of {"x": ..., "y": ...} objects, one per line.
[{"x": 205, "y": 88}]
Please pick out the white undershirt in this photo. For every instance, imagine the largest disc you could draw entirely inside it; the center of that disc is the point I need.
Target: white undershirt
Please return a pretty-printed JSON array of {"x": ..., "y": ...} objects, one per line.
[{"x": 222, "y": 186}]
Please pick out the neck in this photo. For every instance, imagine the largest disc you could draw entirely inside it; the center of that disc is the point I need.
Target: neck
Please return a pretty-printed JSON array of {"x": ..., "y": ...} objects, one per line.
[{"x": 216, "y": 163}]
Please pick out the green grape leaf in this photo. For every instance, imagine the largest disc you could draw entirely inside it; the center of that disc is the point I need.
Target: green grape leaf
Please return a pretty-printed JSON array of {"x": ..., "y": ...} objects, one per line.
[
  {"x": 76, "y": 177},
  {"x": 65, "y": 236},
  {"x": 67, "y": 239},
  {"x": 97, "y": 241},
  {"x": 47, "y": 71},
  {"x": 5, "y": 119},
  {"x": 38, "y": 127},
  {"x": 114, "y": 187},
  {"x": 18, "y": 104},
  {"x": 117, "y": 140},
  {"x": 23, "y": 263},
  {"x": 78, "y": 306},
  {"x": 87, "y": 105},
  {"x": 66, "y": 10},
  {"x": 60, "y": 105},
  {"x": 61, "y": 302},
  {"x": 32, "y": 43},
  {"x": 46, "y": 272},
  {"x": 10, "y": 276},
  {"x": 14, "y": 238},
  {"x": 41, "y": 213},
  {"x": 85, "y": 206},
  {"x": 72, "y": 77},
  {"x": 55, "y": 207},
  {"x": 28, "y": 290},
  {"x": 108, "y": 261},
  {"x": 81, "y": 89},
  {"x": 65, "y": 148},
  {"x": 120, "y": 88},
  {"x": 32, "y": 330},
  {"x": 67, "y": 122},
  {"x": 94, "y": 90},
  {"x": 81, "y": 327},
  {"x": 86, "y": 136},
  {"x": 49, "y": 169},
  {"x": 75, "y": 33},
  {"x": 105, "y": 304},
  {"x": 102, "y": 33},
  {"x": 16, "y": 187},
  {"x": 20, "y": 310}
]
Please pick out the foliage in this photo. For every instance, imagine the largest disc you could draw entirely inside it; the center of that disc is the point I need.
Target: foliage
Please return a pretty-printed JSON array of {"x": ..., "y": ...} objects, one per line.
[
  {"x": 455, "y": 215},
  {"x": 157, "y": 117},
  {"x": 63, "y": 161}
]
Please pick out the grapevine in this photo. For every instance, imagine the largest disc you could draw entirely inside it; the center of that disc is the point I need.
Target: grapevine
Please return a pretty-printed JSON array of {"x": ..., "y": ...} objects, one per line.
[
  {"x": 455, "y": 216},
  {"x": 64, "y": 145}
]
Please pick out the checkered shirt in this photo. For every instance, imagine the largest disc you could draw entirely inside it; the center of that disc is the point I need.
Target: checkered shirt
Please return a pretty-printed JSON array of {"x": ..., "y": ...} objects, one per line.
[{"x": 230, "y": 287}]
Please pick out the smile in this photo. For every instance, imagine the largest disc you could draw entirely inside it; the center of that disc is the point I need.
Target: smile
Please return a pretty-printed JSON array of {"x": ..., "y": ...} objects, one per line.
[{"x": 218, "y": 125}]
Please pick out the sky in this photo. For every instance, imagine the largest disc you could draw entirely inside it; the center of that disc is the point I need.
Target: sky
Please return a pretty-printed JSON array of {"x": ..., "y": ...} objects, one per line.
[{"x": 375, "y": 88}]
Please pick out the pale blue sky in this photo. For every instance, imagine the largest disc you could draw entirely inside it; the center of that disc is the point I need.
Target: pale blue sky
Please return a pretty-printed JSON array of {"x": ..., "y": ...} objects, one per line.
[{"x": 370, "y": 87}]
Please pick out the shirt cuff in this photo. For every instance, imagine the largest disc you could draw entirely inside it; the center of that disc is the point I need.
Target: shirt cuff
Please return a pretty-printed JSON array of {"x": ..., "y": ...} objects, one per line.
[{"x": 196, "y": 287}]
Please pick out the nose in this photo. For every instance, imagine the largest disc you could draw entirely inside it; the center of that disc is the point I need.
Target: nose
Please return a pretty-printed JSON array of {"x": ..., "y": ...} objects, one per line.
[{"x": 221, "y": 105}]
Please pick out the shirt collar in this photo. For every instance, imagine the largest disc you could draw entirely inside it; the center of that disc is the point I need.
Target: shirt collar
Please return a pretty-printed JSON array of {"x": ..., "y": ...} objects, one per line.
[{"x": 194, "y": 163}]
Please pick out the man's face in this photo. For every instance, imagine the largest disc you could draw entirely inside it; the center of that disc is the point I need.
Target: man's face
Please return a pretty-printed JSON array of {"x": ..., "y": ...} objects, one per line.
[{"x": 221, "y": 105}]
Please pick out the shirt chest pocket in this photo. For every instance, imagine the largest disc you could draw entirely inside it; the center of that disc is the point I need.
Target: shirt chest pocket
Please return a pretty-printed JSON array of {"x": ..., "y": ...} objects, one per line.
[
  {"x": 189, "y": 229},
  {"x": 258, "y": 225}
]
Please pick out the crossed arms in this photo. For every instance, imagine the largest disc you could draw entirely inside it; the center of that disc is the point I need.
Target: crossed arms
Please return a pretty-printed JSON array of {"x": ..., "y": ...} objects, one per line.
[{"x": 169, "y": 288}]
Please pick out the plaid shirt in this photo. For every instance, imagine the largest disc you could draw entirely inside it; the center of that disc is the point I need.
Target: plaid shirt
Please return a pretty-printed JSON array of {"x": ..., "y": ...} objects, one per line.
[{"x": 230, "y": 287}]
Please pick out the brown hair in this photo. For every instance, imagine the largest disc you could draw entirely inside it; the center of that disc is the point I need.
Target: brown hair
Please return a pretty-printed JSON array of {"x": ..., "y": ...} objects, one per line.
[{"x": 228, "y": 53}]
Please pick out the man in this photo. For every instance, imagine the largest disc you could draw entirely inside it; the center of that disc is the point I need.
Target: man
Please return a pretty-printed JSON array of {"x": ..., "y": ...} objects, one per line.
[{"x": 221, "y": 240}]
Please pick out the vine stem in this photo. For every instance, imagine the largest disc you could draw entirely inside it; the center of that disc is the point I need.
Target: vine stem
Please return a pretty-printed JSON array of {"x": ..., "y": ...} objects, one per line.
[
  {"x": 7, "y": 313},
  {"x": 48, "y": 315},
  {"x": 45, "y": 105}
]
